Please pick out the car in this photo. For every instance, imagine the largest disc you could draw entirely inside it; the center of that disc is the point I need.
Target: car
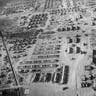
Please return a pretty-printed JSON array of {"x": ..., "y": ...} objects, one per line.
[
  {"x": 89, "y": 67},
  {"x": 73, "y": 28},
  {"x": 85, "y": 84},
  {"x": 24, "y": 55},
  {"x": 84, "y": 78},
  {"x": 85, "y": 23},
  {"x": 65, "y": 88},
  {"x": 83, "y": 52},
  {"x": 63, "y": 29},
  {"x": 68, "y": 29}
]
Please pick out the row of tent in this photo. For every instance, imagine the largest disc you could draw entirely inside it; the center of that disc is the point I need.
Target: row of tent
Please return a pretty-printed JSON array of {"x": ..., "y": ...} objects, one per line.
[{"x": 56, "y": 77}]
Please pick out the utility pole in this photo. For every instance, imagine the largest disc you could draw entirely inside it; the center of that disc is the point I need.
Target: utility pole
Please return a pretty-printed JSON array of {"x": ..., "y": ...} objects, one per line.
[
  {"x": 4, "y": 44},
  {"x": 77, "y": 94}
]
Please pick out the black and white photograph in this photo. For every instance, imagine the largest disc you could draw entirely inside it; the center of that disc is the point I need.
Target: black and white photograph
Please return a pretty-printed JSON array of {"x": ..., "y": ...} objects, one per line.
[{"x": 47, "y": 47}]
